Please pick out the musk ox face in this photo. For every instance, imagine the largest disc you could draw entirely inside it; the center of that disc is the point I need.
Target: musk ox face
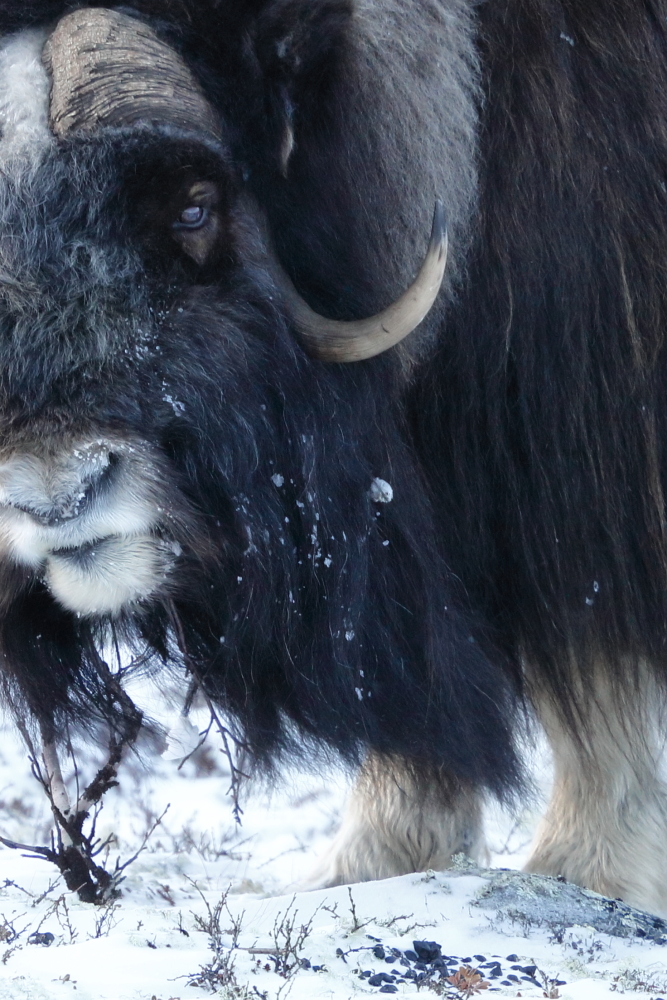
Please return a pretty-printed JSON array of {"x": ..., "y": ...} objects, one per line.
[{"x": 102, "y": 243}]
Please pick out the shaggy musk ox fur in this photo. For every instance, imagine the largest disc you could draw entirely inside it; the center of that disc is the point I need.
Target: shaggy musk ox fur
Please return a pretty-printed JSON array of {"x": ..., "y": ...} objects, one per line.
[
  {"x": 542, "y": 414},
  {"x": 522, "y": 425},
  {"x": 309, "y": 609}
]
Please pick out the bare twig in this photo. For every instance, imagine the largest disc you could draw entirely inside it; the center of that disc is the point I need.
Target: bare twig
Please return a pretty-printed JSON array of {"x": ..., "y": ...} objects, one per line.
[
  {"x": 356, "y": 923},
  {"x": 228, "y": 738},
  {"x": 106, "y": 921},
  {"x": 73, "y": 850},
  {"x": 289, "y": 938},
  {"x": 119, "y": 869},
  {"x": 220, "y": 970},
  {"x": 203, "y": 736}
]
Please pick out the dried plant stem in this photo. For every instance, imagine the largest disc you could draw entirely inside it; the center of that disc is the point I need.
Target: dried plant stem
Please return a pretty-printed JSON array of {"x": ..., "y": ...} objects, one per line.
[
  {"x": 54, "y": 779},
  {"x": 73, "y": 850},
  {"x": 228, "y": 739}
]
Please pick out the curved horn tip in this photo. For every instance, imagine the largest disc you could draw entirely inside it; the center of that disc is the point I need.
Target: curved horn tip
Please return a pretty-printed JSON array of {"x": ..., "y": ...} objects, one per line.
[
  {"x": 439, "y": 227},
  {"x": 358, "y": 340}
]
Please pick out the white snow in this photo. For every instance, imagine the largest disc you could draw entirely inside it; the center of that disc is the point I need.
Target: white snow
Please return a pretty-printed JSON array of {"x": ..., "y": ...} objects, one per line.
[
  {"x": 149, "y": 944},
  {"x": 381, "y": 491}
]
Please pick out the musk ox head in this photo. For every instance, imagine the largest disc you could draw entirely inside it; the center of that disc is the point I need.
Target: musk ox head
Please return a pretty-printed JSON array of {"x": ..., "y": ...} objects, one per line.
[{"x": 183, "y": 471}]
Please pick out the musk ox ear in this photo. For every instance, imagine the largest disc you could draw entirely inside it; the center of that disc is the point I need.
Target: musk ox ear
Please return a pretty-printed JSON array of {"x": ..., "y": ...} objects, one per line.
[{"x": 298, "y": 46}]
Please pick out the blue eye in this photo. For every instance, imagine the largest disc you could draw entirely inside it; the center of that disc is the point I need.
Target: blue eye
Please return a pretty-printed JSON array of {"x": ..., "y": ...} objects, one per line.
[{"x": 192, "y": 217}]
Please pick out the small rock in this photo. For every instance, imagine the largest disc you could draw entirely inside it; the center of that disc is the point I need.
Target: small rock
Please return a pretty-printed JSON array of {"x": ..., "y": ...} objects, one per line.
[
  {"x": 379, "y": 978},
  {"x": 46, "y": 939},
  {"x": 427, "y": 950}
]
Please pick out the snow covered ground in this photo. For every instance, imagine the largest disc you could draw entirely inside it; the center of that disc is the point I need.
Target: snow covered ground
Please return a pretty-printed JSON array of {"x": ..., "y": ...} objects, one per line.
[{"x": 203, "y": 884}]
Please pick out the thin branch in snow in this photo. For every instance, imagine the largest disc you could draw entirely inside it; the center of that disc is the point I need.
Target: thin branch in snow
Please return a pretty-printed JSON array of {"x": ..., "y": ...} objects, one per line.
[
  {"x": 75, "y": 845},
  {"x": 228, "y": 739}
]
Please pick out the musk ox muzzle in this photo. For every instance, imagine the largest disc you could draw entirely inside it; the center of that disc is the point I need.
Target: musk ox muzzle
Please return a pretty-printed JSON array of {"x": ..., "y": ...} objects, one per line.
[{"x": 90, "y": 522}]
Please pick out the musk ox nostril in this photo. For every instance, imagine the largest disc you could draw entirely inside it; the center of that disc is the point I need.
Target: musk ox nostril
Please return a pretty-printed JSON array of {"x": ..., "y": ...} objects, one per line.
[
  {"x": 54, "y": 492},
  {"x": 57, "y": 514}
]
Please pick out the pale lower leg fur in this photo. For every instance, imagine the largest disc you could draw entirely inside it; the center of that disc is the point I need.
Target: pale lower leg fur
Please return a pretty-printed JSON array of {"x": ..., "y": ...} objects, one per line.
[
  {"x": 391, "y": 827},
  {"x": 606, "y": 824}
]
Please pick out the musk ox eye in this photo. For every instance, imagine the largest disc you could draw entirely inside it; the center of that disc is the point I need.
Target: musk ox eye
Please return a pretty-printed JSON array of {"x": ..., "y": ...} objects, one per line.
[
  {"x": 192, "y": 217},
  {"x": 197, "y": 227}
]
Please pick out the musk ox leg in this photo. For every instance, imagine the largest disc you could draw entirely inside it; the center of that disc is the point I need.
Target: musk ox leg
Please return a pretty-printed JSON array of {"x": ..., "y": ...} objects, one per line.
[
  {"x": 394, "y": 825},
  {"x": 606, "y": 824}
]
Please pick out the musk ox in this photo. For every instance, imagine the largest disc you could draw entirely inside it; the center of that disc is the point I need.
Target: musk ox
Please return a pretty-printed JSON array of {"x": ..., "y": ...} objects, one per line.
[{"x": 225, "y": 448}]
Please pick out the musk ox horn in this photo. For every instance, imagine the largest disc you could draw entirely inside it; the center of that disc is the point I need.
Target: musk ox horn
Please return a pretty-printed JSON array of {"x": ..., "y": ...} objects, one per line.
[
  {"x": 108, "y": 68},
  {"x": 336, "y": 340}
]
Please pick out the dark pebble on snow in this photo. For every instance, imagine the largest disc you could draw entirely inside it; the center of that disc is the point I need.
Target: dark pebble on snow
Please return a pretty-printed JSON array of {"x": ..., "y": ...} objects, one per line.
[
  {"x": 45, "y": 939},
  {"x": 505, "y": 982},
  {"x": 530, "y": 970},
  {"x": 479, "y": 958},
  {"x": 421, "y": 966},
  {"x": 427, "y": 950},
  {"x": 378, "y": 951},
  {"x": 388, "y": 989},
  {"x": 412, "y": 955},
  {"x": 512, "y": 958},
  {"x": 379, "y": 978}
]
